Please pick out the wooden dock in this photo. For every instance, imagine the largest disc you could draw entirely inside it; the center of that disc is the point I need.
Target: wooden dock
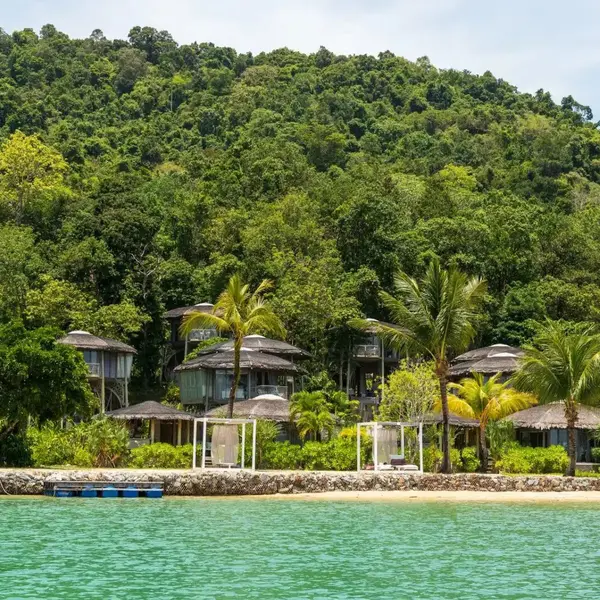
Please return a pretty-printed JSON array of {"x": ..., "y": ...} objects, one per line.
[{"x": 104, "y": 489}]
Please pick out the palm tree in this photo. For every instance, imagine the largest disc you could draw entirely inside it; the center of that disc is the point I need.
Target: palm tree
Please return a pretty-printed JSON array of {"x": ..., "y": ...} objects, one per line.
[
  {"x": 239, "y": 312},
  {"x": 486, "y": 400},
  {"x": 310, "y": 412},
  {"x": 434, "y": 318},
  {"x": 564, "y": 367}
]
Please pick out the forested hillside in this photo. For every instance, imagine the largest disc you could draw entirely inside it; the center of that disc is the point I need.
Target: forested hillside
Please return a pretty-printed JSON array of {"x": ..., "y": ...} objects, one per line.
[{"x": 138, "y": 175}]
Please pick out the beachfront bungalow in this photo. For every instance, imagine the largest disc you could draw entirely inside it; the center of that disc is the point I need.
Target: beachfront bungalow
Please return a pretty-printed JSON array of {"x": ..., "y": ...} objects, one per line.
[
  {"x": 489, "y": 360},
  {"x": 109, "y": 363},
  {"x": 206, "y": 380},
  {"x": 266, "y": 406},
  {"x": 166, "y": 424},
  {"x": 545, "y": 425}
]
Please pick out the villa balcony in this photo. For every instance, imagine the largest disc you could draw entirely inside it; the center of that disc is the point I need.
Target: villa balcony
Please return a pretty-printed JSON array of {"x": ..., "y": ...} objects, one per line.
[
  {"x": 367, "y": 351},
  {"x": 278, "y": 390},
  {"x": 95, "y": 369},
  {"x": 201, "y": 335}
]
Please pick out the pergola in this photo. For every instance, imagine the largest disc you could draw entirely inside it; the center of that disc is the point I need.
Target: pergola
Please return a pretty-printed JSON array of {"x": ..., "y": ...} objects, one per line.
[
  {"x": 376, "y": 426},
  {"x": 206, "y": 420}
]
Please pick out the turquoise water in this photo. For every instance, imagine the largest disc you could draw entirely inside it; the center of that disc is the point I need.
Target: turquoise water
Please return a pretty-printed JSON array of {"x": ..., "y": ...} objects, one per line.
[{"x": 291, "y": 548}]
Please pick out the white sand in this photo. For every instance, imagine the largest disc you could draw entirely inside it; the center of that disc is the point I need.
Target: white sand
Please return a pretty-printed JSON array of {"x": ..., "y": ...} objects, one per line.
[{"x": 448, "y": 496}]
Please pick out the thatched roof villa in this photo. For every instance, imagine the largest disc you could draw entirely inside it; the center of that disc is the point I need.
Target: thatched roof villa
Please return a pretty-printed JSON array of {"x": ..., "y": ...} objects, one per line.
[
  {"x": 545, "y": 425},
  {"x": 109, "y": 362},
  {"x": 166, "y": 423}
]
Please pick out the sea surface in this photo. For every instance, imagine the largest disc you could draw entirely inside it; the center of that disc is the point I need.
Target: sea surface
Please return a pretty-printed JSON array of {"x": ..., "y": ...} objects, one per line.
[{"x": 292, "y": 548}]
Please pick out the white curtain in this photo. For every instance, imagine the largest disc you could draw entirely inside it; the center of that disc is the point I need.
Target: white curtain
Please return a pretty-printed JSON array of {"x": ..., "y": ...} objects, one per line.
[
  {"x": 387, "y": 444},
  {"x": 224, "y": 445}
]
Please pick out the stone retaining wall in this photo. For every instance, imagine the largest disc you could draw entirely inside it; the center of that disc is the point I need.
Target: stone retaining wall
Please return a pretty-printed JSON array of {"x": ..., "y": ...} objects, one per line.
[{"x": 230, "y": 483}]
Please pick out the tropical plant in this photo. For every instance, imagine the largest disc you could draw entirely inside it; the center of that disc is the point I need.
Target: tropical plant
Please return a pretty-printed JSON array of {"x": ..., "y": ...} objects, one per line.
[
  {"x": 163, "y": 456},
  {"x": 434, "y": 318},
  {"x": 310, "y": 412},
  {"x": 486, "y": 400},
  {"x": 282, "y": 456},
  {"x": 518, "y": 459},
  {"x": 563, "y": 367},
  {"x": 239, "y": 312},
  {"x": 499, "y": 434},
  {"x": 410, "y": 392}
]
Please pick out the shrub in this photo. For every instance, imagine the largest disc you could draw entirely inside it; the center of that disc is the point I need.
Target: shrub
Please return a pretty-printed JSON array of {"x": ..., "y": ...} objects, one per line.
[
  {"x": 100, "y": 443},
  {"x": 105, "y": 440},
  {"x": 342, "y": 454},
  {"x": 432, "y": 459},
  {"x": 283, "y": 456},
  {"x": 316, "y": 456},
  {"x": 162, "y": 456},
  {"x": 596, "y": 455},
  {"x": 15, "y": 451},
  {"x": 470, "y": 460},
  {"x": 518, "y": 459},
  {"x": 51, "y": 446}
]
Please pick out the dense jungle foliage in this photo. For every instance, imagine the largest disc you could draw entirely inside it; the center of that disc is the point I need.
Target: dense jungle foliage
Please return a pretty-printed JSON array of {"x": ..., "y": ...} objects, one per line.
[{"x": 137, "y": 175}]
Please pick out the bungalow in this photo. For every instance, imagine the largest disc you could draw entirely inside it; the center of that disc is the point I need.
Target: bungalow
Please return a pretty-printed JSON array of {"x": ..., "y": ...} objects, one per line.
[
  {"x": 206, "y": 379},
  {"x": 109, "y": 363},
  {"x": 545, "y": 425}
]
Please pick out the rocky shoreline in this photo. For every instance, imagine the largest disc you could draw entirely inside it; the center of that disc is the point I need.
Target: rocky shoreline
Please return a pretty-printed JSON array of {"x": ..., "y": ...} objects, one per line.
[{"x": 244, "y": 483}]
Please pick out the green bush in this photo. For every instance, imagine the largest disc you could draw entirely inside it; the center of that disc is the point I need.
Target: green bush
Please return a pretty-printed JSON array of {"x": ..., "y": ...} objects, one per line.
[
  {"x": 283, "y": 456},
  {"x": 470, "y": 460},
  {"x": 99, "y": 443},
  {"x": 15, "y": 451},
  {"x": 596, "y": 455},
  {"x": 316, "y": 456},
  {"x": 518, "y": 459},
  {"x": 342, "y": 454},
  {"x": 163, "y": 456},
  {"x": 432, "y": 459},
  {"x": 51, "y": 446}
]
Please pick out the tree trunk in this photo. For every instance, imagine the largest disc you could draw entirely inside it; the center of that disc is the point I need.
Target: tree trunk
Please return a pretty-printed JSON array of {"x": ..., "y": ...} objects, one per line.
[
  {"x": 237, "y": 348},
  {"x": 442, "y": 373},
  {"x": 483, "y": 453},
  {"x": 571, "y": 416}
]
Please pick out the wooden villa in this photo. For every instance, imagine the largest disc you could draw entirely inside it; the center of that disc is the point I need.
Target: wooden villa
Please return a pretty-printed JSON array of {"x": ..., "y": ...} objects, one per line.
[
  {"x": 206, "y": 380},
  {"x": 545, "y": 425},
  {"x": 109, "y": 363},
  {"x": 167, "y": 424}
]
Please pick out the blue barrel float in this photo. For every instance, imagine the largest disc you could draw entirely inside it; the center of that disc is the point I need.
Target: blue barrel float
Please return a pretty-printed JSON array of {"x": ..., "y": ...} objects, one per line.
[
  {"x": 89, "y": 492},
  {"x": 110, "y": 491},
  {"x": 154, "y": 492},
  {"x": 130, "y": 492}
]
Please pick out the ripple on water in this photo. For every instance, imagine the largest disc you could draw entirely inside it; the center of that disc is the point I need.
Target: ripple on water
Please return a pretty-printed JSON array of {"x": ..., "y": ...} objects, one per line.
[{"x": 273, "y": 549}]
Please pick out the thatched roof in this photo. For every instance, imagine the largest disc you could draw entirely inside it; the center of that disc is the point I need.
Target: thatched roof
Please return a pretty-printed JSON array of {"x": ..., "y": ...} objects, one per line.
[
  {"x": 249, "y": 359},
  {"x": 260, "y": 343},
  {"x": 455, "y": 420},
  {"x": 552, "y": 416},
  {"x": 150, "y": 410},
  {"x": 267, "y": 406},
  {"x": 174, "y": 313},
  {"x": 84, "y": 340},
  {"x": 487, "y": 351},
  {"x": 501, "y": 362}
]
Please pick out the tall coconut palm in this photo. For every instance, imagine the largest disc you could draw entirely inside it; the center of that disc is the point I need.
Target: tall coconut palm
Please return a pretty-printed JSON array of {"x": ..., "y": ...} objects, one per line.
[
  {"x": 434, "y": 318},
  {"x": 238, "y": 312},
  {"x": 486, "y": 400},
  {"x": 565, "y": 367},
  {"x": 310, "y": 412}
]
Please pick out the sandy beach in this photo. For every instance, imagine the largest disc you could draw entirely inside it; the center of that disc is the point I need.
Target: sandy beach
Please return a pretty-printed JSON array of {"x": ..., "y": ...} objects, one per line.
[{"x": 449, "y": 496}]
